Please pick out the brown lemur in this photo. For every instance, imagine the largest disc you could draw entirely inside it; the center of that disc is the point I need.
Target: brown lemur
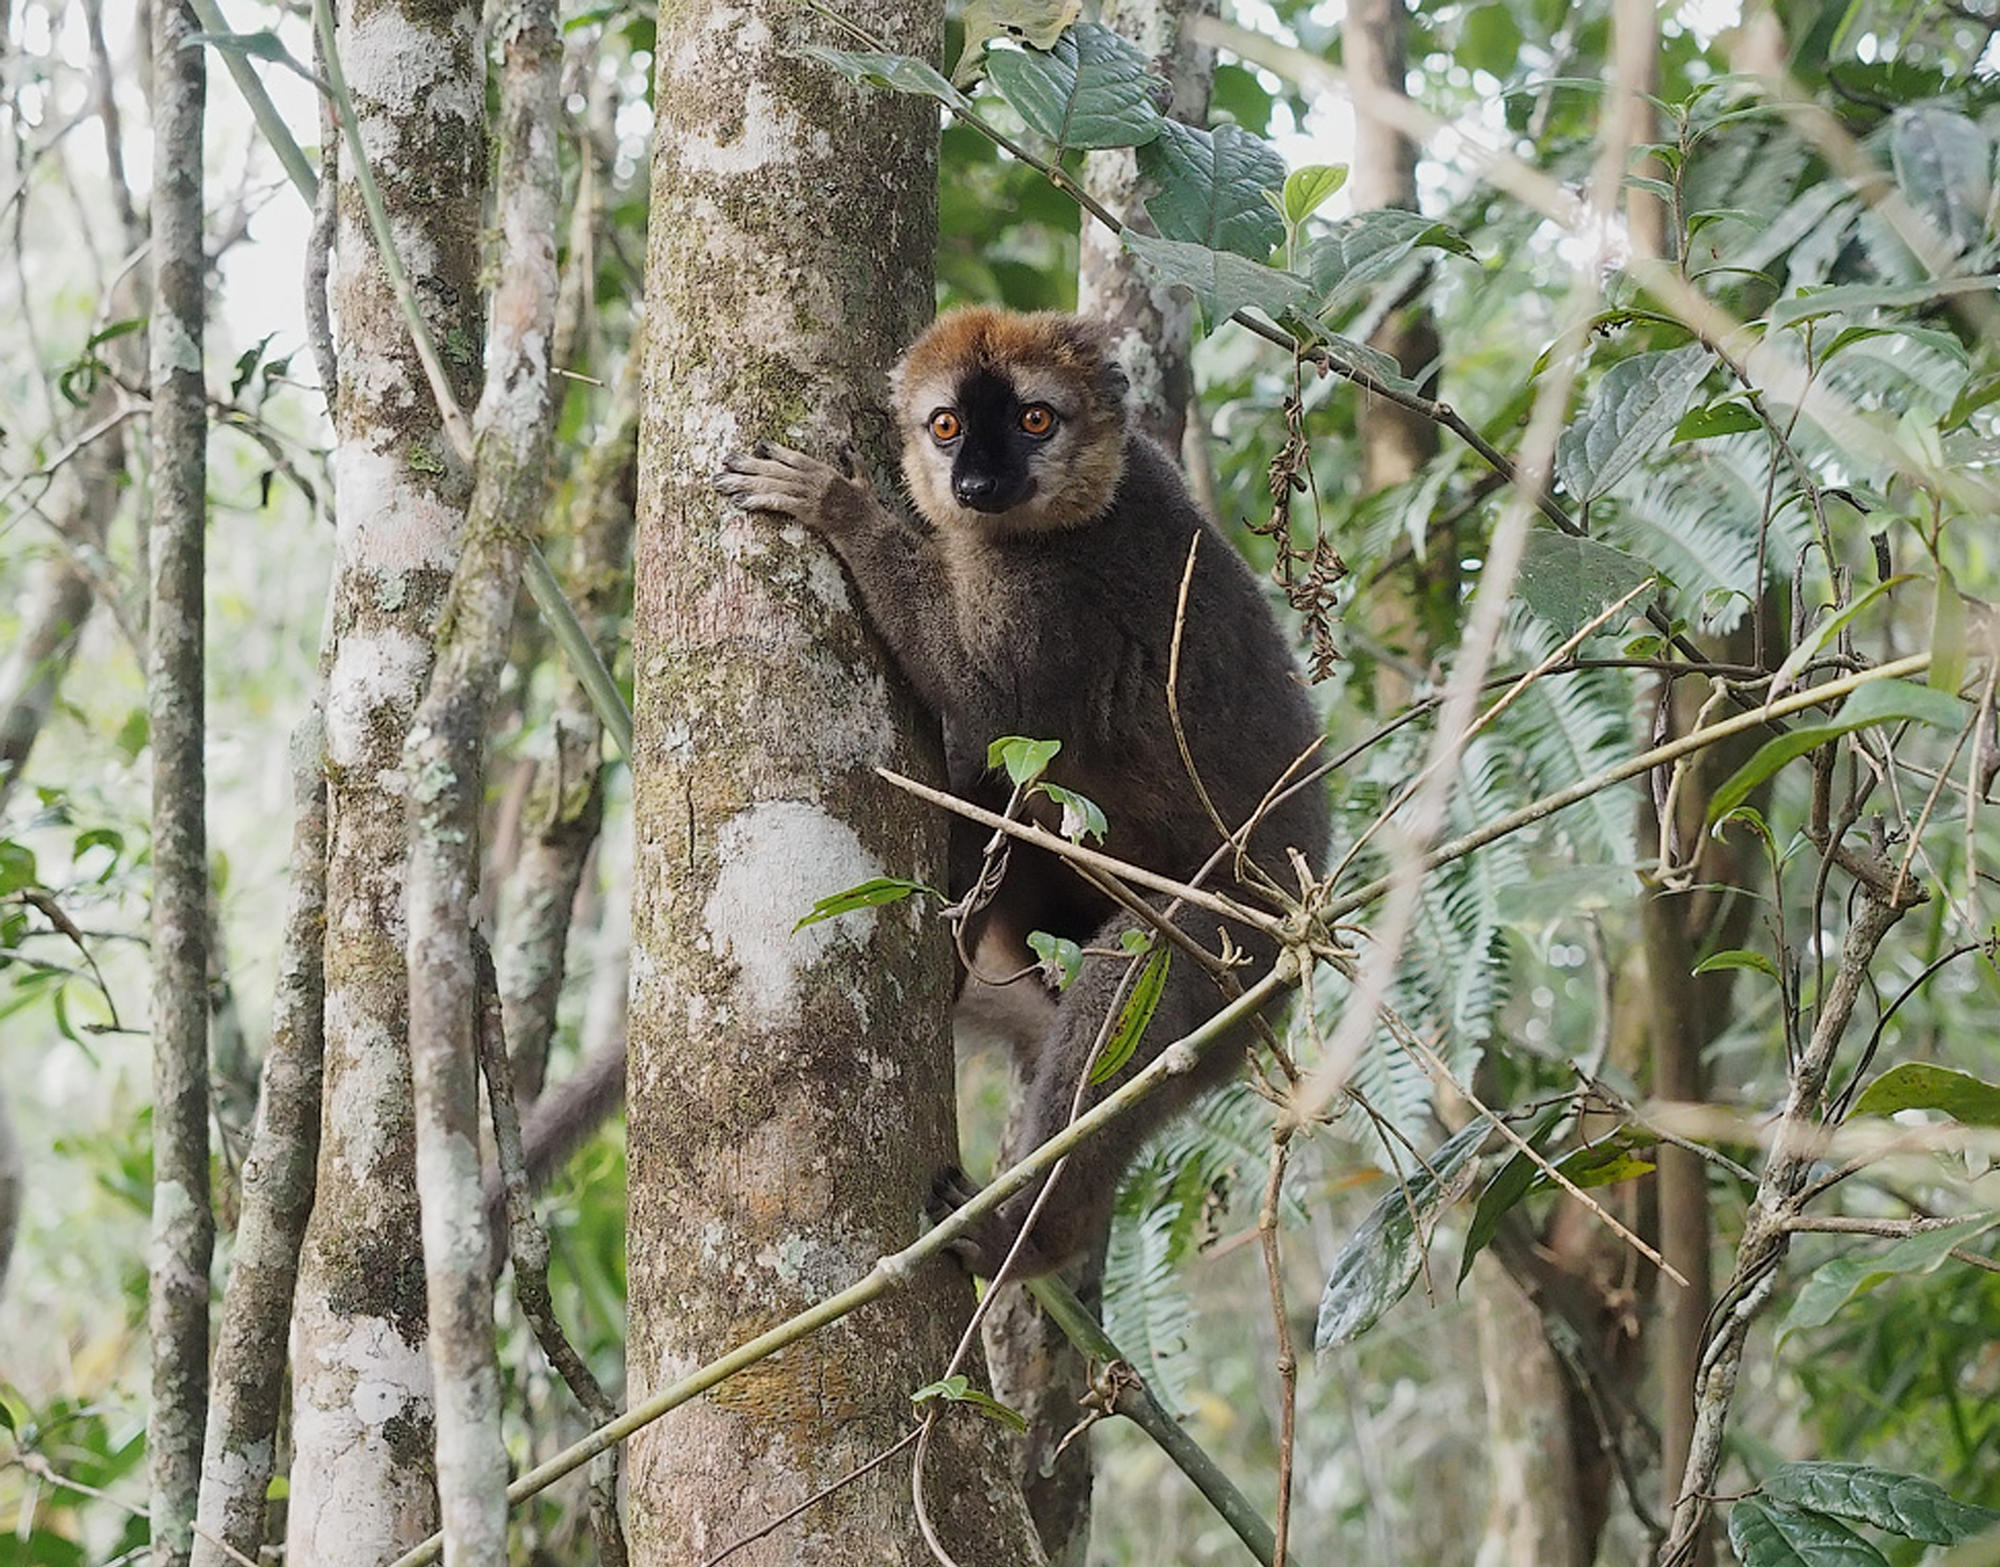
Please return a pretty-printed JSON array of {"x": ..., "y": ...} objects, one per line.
[{"x": 1036, "y": 597}]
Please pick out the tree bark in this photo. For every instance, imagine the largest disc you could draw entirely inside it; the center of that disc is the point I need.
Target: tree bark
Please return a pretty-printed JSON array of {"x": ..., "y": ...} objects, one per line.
[
  {"x": 445, "y": 762},
  {"x": 244, "y": 1410},
  {"x": 1151, "y": 327},
  {"x": 1530, "y": 1453},
  {"x": 790, "y": 1092},
  {"x": 183, "y": 1232},
  {"x": 363, "y": 1475}
]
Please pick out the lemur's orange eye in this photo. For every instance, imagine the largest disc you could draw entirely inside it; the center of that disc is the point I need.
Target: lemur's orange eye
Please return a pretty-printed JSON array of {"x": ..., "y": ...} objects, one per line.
[
  {"x": 1038, "y": 419},
  {"x": 944, "y": 425}
]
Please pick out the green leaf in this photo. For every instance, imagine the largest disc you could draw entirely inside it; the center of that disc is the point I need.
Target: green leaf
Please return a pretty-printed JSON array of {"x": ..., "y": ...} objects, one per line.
[
  {"x": 1834, "y": 1285},
  {"x": 1345, "y": 353},
  {"x": 1140, "y": 1004},
  {"x": 1308, "y": 188},
  {"x": 1362, "y": 249},
  {"x": 1905, "y": 1505},
  {"x": 1944, "y": 165},
  {"x": 1603, "y": 1163},
  {"x": 1081, "y": 818},
  {"x": 1212, "y": 186},
  {"x": 17, "y": 866},
  {"x": 1036, "y": 23},
  {"x": 1858, "y": 298},
  {"x": 1773, "y": 1534},
  {"x": 1093, "y": 89},
  {"x": 1490, "y": 41},
  {"x": 1024, "y": 759},
  {"x": 869, "y": 894},
  {"x": 1727, "y": 417},
  {"x": 1737, "y": 958},
  {"x": 897, "y": 72},
  {"x": 1809, "y": 648},
  {"x": 1918, "y": 1085},
  {"x": 1060, "y": 956},
  {"x": 246, "y": 364},
  {"x": 1947, "y": 671},
  {"x": 1508, "y": 1187},
  {"x": 1567, "y": 581},
  {"x": 1879, "y": 702},
  {"x": 1381, "y": 1259},
  {"x": 959, "y": 1390},
  {"x": 1221, "y": 281},
  {"x": 1630, "y": 412}
]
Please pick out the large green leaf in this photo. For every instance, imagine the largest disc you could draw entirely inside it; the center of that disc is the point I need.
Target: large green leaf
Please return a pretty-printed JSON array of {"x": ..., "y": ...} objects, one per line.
[
  {"x": 1918, "y": 1085},
  {"x": 1567, "y": 581},
  {"x": 1221, "y": 281},
  {"x": 1944, "y": 164},
  {"x": 1880, "y": 702},
  {"x": 1382, "y": 1257},
  {"x": 1212, "y": 187},
  {"x": 1140, "y": 1005},
  {"x": 1631, "y": 411},
  {"x": 1860, "y": 298},
  {"x": 1906, "y": 1505},
  {"x": 1364, "y": 248},
  {"x": 1832, "y": 1286},
  {"x": 1092, "y": 90},
  {"x": 1037, "y": 23},
  {"x": 1775, "y": 1534},
  {"x": 1513, "y": 1182},
  {"x": 897, "y": 72}
]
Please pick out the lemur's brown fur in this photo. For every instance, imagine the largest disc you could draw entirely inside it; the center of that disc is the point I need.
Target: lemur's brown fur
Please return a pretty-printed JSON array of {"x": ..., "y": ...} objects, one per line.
[{"x": 1040, "y": 601}]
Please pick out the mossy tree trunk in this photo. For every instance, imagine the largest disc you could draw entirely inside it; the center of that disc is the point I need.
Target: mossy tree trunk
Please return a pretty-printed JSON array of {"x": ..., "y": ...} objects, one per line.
[
  {"x": 363, "y": 1474},
  {"x": 790, "y": 1092}
]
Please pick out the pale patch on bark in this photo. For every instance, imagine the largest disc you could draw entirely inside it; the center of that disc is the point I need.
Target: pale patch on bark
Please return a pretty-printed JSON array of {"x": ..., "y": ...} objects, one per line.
[
  {"x": 385, "y": 522},
  {"x": 409, "y": 77},
  {"x": 173, "y": 346},
  {"x": 775, "y": 861},
  {"x": 366, "y": 1376},
  {"x": 357, "y": 1137},
  {"x": 371, "y": 674}
]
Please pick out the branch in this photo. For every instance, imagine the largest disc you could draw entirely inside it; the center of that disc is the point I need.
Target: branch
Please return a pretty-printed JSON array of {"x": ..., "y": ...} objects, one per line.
[{"x": 898, "y": 1268}]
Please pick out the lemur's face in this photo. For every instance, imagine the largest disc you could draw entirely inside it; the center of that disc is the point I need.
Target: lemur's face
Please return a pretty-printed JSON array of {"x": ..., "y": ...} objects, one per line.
[{"x": 1010, "y": 424}]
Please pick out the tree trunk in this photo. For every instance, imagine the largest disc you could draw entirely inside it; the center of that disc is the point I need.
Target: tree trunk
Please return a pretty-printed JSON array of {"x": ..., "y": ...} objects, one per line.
[
  {"x": 1151, "y": 328},
  {"x": 183, "y": 1236},
  {"x": 790, "y": 1092},
  {"x": 363, "y": 1471}
]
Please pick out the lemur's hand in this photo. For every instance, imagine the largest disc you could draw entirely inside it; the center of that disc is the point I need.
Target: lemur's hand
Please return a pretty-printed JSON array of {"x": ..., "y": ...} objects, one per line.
[{"x": 783, "y": 483}]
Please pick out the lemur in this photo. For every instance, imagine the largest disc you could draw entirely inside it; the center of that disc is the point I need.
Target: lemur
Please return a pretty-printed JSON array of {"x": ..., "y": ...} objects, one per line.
[{"x": 1036, "y": 596}]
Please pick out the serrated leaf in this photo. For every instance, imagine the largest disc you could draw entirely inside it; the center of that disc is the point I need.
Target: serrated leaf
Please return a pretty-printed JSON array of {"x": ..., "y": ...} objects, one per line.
[
  {"x": 1858, "y": 298},
  {"x": 1221, "y": 281},
  {"x": 1036, "y": 23},
  {"x": 1567, "y": 581},
  {"x": 1140, "y": 1004},
  {"x": 1629, "y": 413},
  {"x": 897, "y": 72},
  {"x": 1365, "y": 247},
  {"x": 1381, "y": 1259},
  {"x": 1944, "y": 166},
  {"x": 1880, "y": 702},
  {"x": 1727, "y": 417},
  {"x": 1081, "y": 817},
  {"x": 959, "y": 1390},
  {"x": 1947, "y": 671},
  {"x": 1834, "y": 1285},
  {"x": 1212, "y": 188},
  {"x": 1737, "y": 958},
  {"x": 1775, "y": 1534},
  {"x": 1308, "y": 188},
  {"x": 1061, "y": 957},
  {"x": 1905, "y": 1505},
  {"x": 1507, "y": 1188},
  {"x": 1918, "y": 1085},
  {"x": 867, "y": 895},
  {"x": 1093, "y": 89},
  {"x": 1024, "y": 759}
]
